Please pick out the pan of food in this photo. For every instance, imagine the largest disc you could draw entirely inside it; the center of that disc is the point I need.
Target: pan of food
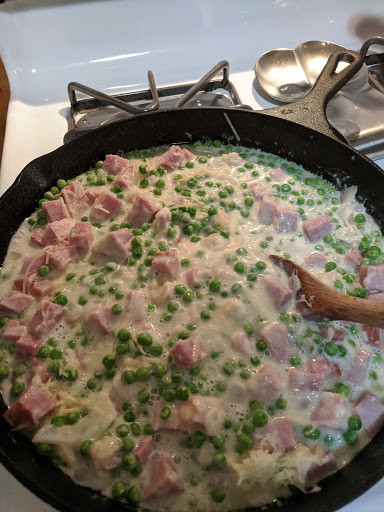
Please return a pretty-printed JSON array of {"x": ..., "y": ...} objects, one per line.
[{"x": 152, "y": 355}]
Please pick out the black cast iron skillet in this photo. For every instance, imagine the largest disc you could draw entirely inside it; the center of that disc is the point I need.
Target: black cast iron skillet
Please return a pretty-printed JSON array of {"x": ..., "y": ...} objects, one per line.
[{"x": 298, "y": 132}]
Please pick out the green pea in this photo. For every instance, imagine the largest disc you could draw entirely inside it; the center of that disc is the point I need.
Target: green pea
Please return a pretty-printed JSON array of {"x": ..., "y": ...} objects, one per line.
[
  {"x": 188, "y": 296},
  {"x": 261, "y": 345},
  {"x": 109, "y": 361},
  {"x": 169, "y": 394},
  {"x": 311, "y": 433},
  {"x": 260, "y": 265},
  {"x": 218, "y": 495},
  {"x": 124, "y": 335},
  {"x": 85, "y": 447},
  {"x": 243, "y": 442},
  {"x": 56, "y": 354},
  {"x": 360, "y": 219},
  {"x": 143, "y": 374},
  {"x": 260, "y": 419},
  {"x": 350, "y": 437},
  {"x": 295, "y": 361},
  {"x": 133, "y": 494},
  {"x": 159, "y": 370},
  {"x": 128, "y": 376},
  {"x": 239, "y": 267},
  {"x": 229, "y": 368},
  {"x": 145, "y": 339},
  {"x": 354, "y": 423},
  {"x": 281, "y": 404},
  {"x": 44, "y": 271},
  {"x": 19, "y": 369},
  {"x": 17, "y": 388},
  {"x": 214, "y": 286},
  {"x": 119, "y": 490},
  {"x": 331, "y": 265},
  {"x": 182, "y": 393},
  {"x": 342, "y": 388},
  {"x": 71, "y": 373},
  {"x": 128, "y": 445},
  {"x": 219, "y": 460},
  {"x": 330, "y": 348}
]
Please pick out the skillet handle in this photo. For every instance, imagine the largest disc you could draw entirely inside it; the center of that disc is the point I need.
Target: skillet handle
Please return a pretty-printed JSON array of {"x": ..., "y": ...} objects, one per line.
[{"x": 310, "y": 111}]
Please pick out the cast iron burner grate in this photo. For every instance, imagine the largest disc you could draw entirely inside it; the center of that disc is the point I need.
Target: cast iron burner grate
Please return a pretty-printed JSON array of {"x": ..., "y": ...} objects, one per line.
[{"x": 101, "y": 109}]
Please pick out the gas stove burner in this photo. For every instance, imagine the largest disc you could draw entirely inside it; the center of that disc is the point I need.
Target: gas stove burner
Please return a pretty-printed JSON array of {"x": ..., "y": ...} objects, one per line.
[{"x": 102, "y": 109}]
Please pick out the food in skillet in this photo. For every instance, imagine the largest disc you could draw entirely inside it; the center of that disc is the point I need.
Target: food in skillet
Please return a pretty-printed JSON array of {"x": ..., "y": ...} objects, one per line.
[{"x": 150, "y": 347}]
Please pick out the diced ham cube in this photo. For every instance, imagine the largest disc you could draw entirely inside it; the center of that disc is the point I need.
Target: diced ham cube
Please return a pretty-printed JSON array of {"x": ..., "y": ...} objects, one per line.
[
  {"x": 144, "y": 449},
  {"x": 100, "y": 320},
  {"x": 259, "y": 189},
  {"x": 323, "y": 368},
  {"x": 27, "y": 346},
  {"x": 370, "y": 410},
  {"x": 46, "y": 318},
  {"x": 39, "y": 373},
  {"x": 167, "y": 264},
  {"x": 200, "y": 412},
  {"x": 278, "y": 174},
  {"x": 215, "y": 242},
  {"x": 277, "y": 293},
  {"x": 316, "y": 259},
  {"x": 42, "y": 288},
  {"x": 193, "y": 277},
  {"x": 317, "y": 228},
  {"x": 330, "y": 333},
  {"x": 379, "y": 297},
  {"x": 25, "y": 282},
  {"x": 74, "y": 198},
  {"x": 114, "y": 245},
  {"x": 333, "y": 410},
  {"x": 300, "y": 380},
  {"x": 81, "y": 236},
  {"x": 317, "y": 472},
  {"x": 163, "y": 479},
  {"x": 267, "y": 210},
  {"x": 27, "y": 412},
  {"x": 277, "y": 435},
  {"x": 56, "y": 209},
  {"x": 57, "y": 231},
  {"x": 137, "y": 306},
  {"x": 143, "y": 210},
  {"x": 92, "y": 193},
  {"x": 114, "y": 164},
  {"x": 31, "y": 264},
  {"x": 241, "y": 342},
  {"x": 13, "y": 330},
  {"x": 173, "y": 157},
  {"x": 171, "y": 423},
  {"x": 62, "y": 255},
  {"x": 280, "y": 345},
  {"x": 353, "y": 258},
  {"x": 374, "y": 336},
  {"x": 37, "y": 236},
  {"x": 286, "y": 219},
  {"x": 105, "y": 206},
  {"x": 162, "y": 219},
  {"x": 357, "y": 368},
  {"x": 266, "y": 384},
  {"x": 124, "y": 178},
  {"x": 15, "y": 302},
  {"x": 372, "y": 277},
  {"x": 187, "y": 353}
]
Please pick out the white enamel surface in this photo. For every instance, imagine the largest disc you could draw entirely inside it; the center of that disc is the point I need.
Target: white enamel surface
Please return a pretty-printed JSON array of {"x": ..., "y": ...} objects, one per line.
[{"x": 110, "y": 45}]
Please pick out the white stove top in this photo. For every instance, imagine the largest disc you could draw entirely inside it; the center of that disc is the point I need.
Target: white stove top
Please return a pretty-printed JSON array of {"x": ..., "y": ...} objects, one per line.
[{"x": 110, "y": 45}]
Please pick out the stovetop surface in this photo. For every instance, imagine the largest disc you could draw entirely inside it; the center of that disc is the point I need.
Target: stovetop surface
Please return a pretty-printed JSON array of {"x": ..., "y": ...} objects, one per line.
[{"x": 111, "y": 44}]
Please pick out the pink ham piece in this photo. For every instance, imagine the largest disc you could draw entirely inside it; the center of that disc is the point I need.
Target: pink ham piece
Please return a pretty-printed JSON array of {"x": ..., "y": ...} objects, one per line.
[
  {"x": 173, "y": 157},
  {"x": 124, "y": 178},
  {"x": 31, "y": 264},
  {"x": 56, "y": 210},
  {"x": 300, "y": 380},
  {"x": 187, "y": 353},
  {"x": 62, "y": 255},
  {"x": 316, "y": 259},
  {"x": 105, "y": 206},
  {"x": 317, "y": 472},
  {"x": 374, "y": 336},
  {"x": 277, "y": 293},
  {"x": 37, "y": 237},
  {"x": 39, "y": 373},
  {"x": 200, "y": 412},
  {"x": 193, "y": 277},
  {"x": 266, "y": 384},
  {"x": 370, "y": 410},
  {"x": 42, "y": 288},
  {"x": 163, "y": 479},
  {"x": 27, "y": 412},
  {"x": 317, "y": 228},
  {"x": 215, "y": 242},
  {"x": 13, "y": 330},
  {"x": 260, "y": 189},
  {"x": 81, "y": 236},
  {"x": 277, "y": 435},
  {"x": 114, "y": 245},
  {"x": 278, "y": 175},
  {"x": 286, "y": 219},
  {"x": 333, "y": 410},
  {"x": 267, "y": 210},
  {"x": 25, "y": 281},
  {"x": 321, "y": 367},
  {"x": 171, "y": 423},
  {"x": 280, "y": 345},
  {"x": 162, "y": 219},
  {"x": 114, "y": 164},
  {"x": 241, "y": 342},
  {"x": 166, "y": 264},
  {"x": 57, "y": 231},
  {"x": 74, "y": 198},
  {"x": 46, "y": 318},
  {"x": 353, "y": 258},
  {"x": 332, "y": 333},
  {"x": 137, "y": 306},
  {"x": 357, "y": 368},
  {"x": 372, "y": 277},
  {"x": 144, "y": 449},
  {"x": 143, "y": 210},
  {"x": 27, "y": 346},
  {"x": 100, "y": 320},
  {"x": 92, "y": 193},
  {"x": 15, "y": 302}
]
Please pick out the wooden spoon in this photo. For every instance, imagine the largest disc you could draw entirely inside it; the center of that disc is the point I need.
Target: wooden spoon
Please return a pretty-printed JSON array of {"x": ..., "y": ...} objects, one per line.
[{"x": 317, "y": 301}]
